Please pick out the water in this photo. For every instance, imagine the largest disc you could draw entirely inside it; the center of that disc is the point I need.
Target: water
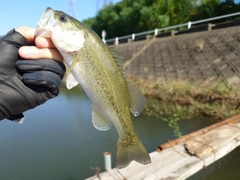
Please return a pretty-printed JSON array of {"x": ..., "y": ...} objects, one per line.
[{"x": 58, "y": 141}]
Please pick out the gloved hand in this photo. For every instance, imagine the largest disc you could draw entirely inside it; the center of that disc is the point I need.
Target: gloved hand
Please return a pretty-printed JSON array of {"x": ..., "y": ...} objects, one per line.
[{"x": 25, "y": 84}]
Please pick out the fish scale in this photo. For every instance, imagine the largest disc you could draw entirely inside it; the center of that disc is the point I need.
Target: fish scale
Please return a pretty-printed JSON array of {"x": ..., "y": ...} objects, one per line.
[{"x": 93, "y": 66}]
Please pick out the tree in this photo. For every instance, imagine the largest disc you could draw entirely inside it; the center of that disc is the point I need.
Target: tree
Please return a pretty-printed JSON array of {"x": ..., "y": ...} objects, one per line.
[
  {"x": 89, "y": 22},
  {"x": 227, "y": 7},
  {"x": 106, "y": 18},
  {"x": 206, "y": 9},
  {"x": 177, "y": 11},
  {"x": 133, "y": 16}
]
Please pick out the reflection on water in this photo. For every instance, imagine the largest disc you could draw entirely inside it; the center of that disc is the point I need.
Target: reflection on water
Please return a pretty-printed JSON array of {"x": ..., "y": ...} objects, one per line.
[
  {"x": 58, "y": 141},
  {"x": 226, "y": 168}
]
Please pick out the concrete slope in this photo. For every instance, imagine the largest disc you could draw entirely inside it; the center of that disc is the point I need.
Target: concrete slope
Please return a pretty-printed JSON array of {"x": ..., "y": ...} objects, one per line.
[{"x": 196, "y": 57}]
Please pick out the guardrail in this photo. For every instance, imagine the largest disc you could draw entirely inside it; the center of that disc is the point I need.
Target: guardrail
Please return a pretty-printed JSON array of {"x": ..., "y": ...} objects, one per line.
[{"x": 156, "y": 31}]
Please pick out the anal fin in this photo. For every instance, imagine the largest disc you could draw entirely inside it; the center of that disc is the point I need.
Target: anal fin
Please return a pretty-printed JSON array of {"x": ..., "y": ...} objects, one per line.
[{"x": 100, "y": 120}]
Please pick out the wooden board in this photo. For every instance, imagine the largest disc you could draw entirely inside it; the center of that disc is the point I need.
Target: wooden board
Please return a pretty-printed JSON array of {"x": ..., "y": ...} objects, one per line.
[
  {"x": 173, "y": 164},
  {"x": 210, "y": 142}
]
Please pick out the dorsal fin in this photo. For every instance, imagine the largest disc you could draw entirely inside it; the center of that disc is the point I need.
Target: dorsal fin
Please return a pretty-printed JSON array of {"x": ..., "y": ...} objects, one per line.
[
  {"x": 118, "y": 58},
  {"x": 137, "y": 99},
  {"x": 116, "y": 55}
]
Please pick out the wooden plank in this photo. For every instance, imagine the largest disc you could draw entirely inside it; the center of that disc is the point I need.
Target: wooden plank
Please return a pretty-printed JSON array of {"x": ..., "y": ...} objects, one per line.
[
  {"x": 212, "y": 157},
  {"x": 173, "y": 164},
  {"x": 182, "y": 139},
  {"x": 201, "y": 146}
]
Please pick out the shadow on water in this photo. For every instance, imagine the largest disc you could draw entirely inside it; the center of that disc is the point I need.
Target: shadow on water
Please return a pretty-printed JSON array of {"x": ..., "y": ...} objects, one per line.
[{"x": 58, "y": 141}]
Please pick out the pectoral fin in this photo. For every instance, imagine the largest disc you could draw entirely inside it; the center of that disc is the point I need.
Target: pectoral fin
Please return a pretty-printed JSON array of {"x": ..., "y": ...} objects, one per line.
[
  {"x": 137, "y": 99},
  {"x": 71, "y": 81},
  {"x": 100, "y": 120}
]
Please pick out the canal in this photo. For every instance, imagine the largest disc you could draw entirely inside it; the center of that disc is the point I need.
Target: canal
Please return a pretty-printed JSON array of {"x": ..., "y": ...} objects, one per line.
[{"x": 58, "y": 141}]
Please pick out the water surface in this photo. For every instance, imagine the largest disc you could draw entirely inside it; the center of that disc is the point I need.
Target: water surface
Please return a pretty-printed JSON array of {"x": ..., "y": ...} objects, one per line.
[{"x": 58, "y": 141}]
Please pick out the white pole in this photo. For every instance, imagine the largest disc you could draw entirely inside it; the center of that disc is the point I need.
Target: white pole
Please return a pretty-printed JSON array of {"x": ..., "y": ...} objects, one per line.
[
  {"x": 116, "y": 41},
  {"x": 107, "y": 160},
  {"x": 133, "y": 37},
  {"x": 189, "y": 24},
  {"x": 156, "y": 32},
  {"x": 104, "y": 34}
]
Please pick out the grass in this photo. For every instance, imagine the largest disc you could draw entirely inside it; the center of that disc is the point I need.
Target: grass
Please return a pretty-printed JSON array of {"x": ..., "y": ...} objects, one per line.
[{"x": 176, "y": 100}]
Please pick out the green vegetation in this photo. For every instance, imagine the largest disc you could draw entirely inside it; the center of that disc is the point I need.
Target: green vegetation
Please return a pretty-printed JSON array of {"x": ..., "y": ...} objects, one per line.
[
  {"x": 178, "y": 100},
  {"x": 133, "y": 16}
]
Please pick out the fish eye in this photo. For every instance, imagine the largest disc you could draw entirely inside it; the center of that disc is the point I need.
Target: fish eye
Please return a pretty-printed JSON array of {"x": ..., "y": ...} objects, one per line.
[{"x": 63, "y": 18}]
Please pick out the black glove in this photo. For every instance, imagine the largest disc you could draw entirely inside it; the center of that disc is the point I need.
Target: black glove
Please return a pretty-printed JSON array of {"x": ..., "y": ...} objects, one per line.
[{"x": 25, "y": 84}]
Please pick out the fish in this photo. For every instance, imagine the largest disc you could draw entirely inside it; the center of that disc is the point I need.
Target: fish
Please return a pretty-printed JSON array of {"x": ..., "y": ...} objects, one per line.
[{"x": 97, "y": 69}]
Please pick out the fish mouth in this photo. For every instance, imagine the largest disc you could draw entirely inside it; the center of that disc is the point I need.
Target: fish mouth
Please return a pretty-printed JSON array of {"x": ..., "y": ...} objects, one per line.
[
  {"x": 45, "y": 22},
  {"x": 46, "y": 17}
]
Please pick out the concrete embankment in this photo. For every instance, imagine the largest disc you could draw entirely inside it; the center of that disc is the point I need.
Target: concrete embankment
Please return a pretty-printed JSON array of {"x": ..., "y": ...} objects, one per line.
[{"x": 196, "y": 57}]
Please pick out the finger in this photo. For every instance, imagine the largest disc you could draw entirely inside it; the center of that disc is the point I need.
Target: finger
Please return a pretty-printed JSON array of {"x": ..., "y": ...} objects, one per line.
[
  {"x": 42, "y": 42},
  {"x": 32, "y": 52},
  {"x": 27, "y": 32}
]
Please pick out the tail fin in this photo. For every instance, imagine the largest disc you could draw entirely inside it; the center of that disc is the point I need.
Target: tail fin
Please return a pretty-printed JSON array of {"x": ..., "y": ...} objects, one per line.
[{"x": 126, "y": 152}]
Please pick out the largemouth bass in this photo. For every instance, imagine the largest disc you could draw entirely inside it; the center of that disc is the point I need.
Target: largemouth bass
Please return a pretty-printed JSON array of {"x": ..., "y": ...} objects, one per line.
[{"x": 95, "y": 67}]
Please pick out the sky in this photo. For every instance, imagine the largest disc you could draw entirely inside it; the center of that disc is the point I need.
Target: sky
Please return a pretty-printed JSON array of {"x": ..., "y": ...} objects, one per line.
[{"x": 16, "y": 13}]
